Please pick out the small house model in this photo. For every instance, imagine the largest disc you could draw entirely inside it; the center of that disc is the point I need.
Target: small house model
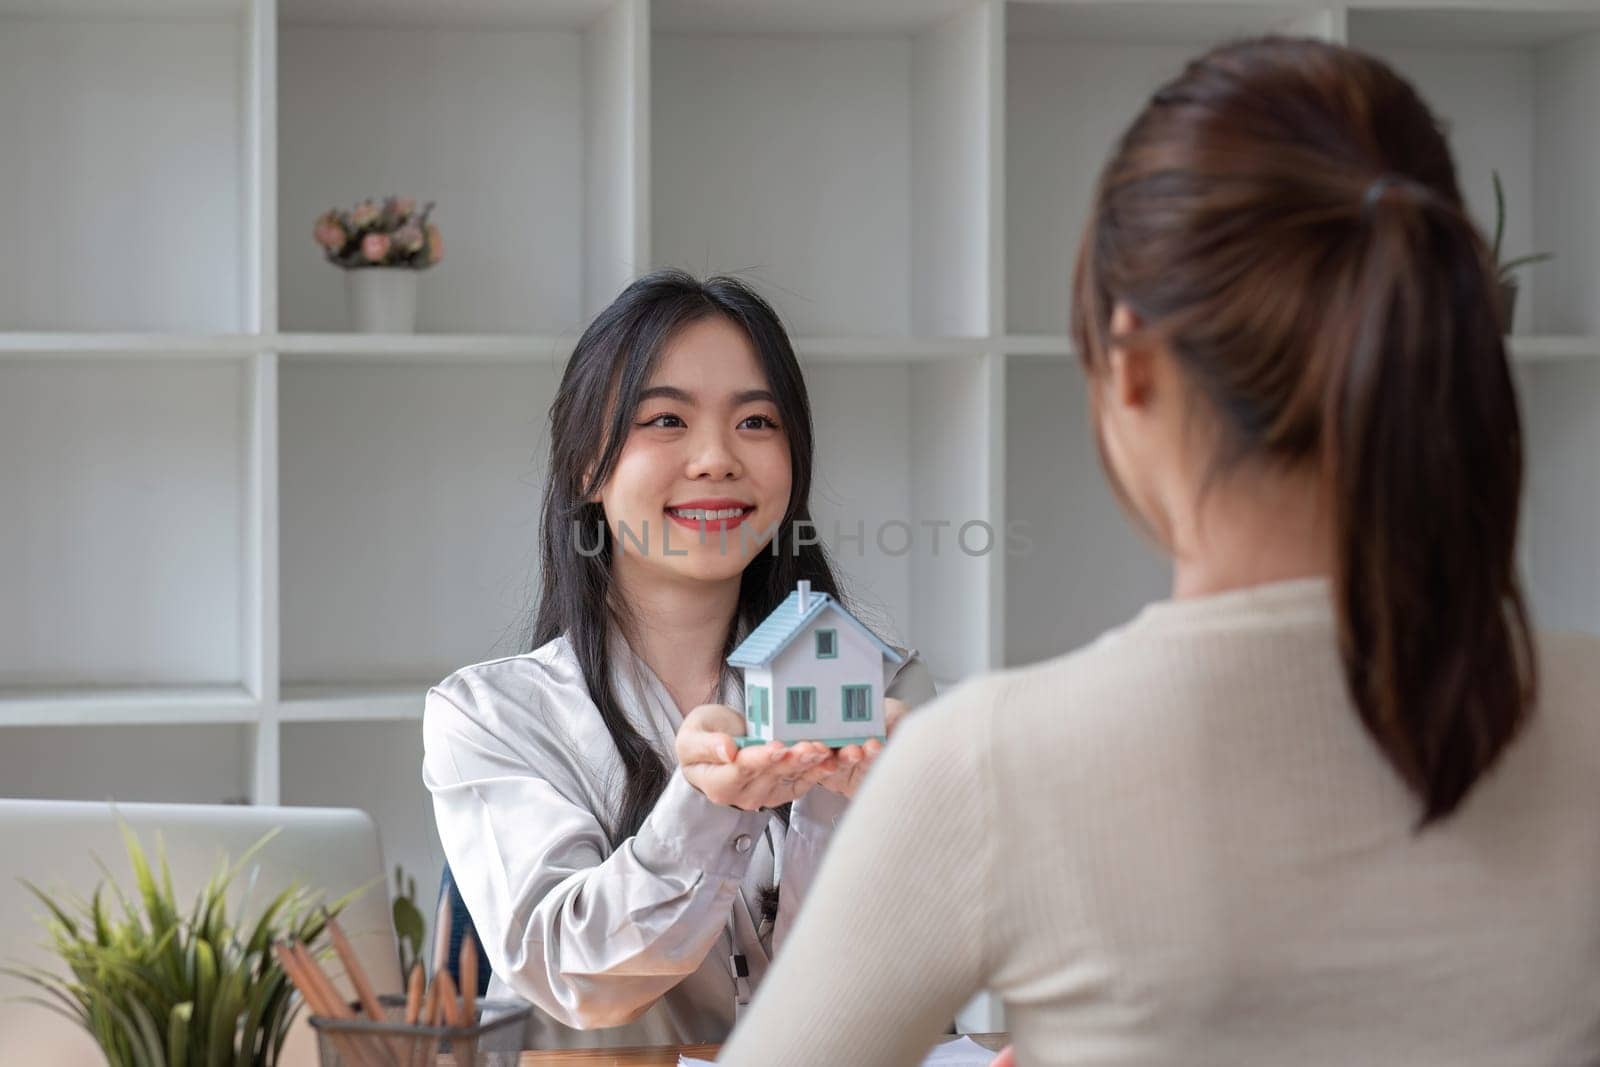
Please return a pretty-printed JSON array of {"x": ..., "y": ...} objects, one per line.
[{"x": 813, "y": 672}]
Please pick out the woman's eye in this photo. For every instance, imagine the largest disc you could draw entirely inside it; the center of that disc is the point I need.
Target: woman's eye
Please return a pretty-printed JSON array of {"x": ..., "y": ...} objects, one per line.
[
  {"x": 758, "y": 422},
  {"x": 666, "y": 422}
]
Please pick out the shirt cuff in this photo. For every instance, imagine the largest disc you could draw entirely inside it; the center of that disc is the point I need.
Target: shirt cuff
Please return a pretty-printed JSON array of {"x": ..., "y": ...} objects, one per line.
[
  {"x": 686, "y": 828},
  {"x": 818, "y": 812}
]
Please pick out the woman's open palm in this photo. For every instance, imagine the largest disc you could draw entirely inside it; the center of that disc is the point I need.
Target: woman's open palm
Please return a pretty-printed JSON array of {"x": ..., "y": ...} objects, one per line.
[{"x": 761, "y": 776}]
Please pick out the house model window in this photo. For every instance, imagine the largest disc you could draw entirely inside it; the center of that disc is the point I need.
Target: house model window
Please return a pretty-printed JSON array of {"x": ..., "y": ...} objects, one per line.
[
  {"x": 758, "y": 706},
  {"x": 857, "y": 701},
  {"x": 827, "y": 668},
  {"x": 803, "y": 705}
]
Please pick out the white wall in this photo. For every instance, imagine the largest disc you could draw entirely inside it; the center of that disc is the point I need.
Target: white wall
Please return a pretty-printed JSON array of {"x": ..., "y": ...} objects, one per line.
[
  {"x": 410, "y": 516},
  {"x": 121, "y": 535},
  {"x": 1567, "y": 218},
  {"x": 120, "y": 184},
  {"x": 1066, "y": 105},
  {"x": 1088, "y": 568},
  {"x": 789, "y": 159},
  {"x": 1562, "y": 495}
]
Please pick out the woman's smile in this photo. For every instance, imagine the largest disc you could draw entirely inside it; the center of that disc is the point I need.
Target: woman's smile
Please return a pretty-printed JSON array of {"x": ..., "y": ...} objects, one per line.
[{"x": 710, "y": 514}]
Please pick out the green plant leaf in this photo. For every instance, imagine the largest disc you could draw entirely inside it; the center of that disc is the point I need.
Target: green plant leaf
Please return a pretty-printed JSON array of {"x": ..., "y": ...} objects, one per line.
[
  {"x": 409, "y": 923},
  {"x": 258, "y": 1008},
  {"x": 178, "y": 1034},
  {"x": 205, "y": 982},
  {"x": 55, "y": 910},
  {"x": 118, "y": 1036},
  {"x": 1523, "y": 261},
  {"x": 142, "y": 1035},
  {"x": 225, "y": 1014},
  {"x": 261, "y": 937}
]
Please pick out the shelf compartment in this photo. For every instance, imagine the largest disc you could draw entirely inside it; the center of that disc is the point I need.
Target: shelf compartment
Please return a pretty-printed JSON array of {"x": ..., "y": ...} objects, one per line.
[
  {"x": 122, "y": 180},
  {"x": 846, "y": 175},
  {"x": 123, "y": 542},
  {"x": 189, "y": 763},
  {"x": 515, "y": 121},
  {"x": 907, "y": 575},
  {"x": 1076, "y": 76},
  {"x": 1086, "y": 567},
  {"x": 1561, "y": 498},
  {"x": 409, "y": 502}
]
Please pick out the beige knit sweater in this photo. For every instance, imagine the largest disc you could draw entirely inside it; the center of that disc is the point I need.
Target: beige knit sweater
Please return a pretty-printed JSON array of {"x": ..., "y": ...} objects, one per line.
[{"x": 1178, "y": 846}]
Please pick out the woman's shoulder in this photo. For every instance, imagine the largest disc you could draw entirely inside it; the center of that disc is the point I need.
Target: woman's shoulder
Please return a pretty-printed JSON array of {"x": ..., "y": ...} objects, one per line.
[
  {"x": 1118, "y": 686},
  {"x": 1569, "y": 652},
  {"x": 1569, "y": 677},
  {"x": 542, "y": 684}
]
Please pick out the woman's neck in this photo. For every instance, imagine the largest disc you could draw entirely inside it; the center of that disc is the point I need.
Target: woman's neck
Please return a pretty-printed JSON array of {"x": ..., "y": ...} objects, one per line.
[
  {"x": 679, "y": 627},
  {"x": 1252, "y": 530}
]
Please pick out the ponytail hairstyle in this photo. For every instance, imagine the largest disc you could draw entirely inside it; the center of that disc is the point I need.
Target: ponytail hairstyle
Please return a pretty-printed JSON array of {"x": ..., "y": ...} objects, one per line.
[
  {"x": 1284, "y": 215},
  {"x": 589, "y": 423}
]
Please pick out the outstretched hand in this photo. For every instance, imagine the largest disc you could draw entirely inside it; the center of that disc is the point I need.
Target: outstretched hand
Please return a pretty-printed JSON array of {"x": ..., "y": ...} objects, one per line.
[
  {"x": 761, "y": 776},
  {"x": 848, "y": 767}
]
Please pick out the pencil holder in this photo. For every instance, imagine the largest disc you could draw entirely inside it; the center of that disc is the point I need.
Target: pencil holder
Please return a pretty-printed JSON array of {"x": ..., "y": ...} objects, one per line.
[{"x": 494, "y": 1039}]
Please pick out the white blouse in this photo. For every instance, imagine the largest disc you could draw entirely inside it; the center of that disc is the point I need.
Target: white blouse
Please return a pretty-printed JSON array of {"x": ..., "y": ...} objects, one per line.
[{"x": 630, "y": 946}]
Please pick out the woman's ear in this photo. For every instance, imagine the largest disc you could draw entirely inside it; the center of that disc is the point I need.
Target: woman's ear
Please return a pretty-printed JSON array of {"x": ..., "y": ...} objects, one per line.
[{"x": 1131, "y": 370}]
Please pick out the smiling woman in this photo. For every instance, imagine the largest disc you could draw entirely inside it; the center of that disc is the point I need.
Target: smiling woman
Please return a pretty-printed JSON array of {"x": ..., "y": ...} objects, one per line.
[
  {"x": 620, "y": 856},
  {"x": 707, "y": 456}
]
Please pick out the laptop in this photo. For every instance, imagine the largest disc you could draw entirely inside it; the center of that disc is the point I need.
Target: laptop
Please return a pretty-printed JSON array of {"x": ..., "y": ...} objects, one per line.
[{"x": 53, "y": 844}]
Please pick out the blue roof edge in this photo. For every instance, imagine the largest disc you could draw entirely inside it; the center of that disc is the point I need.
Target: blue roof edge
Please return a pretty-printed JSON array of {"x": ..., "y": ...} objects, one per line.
[{"x": 752, "y": 659}]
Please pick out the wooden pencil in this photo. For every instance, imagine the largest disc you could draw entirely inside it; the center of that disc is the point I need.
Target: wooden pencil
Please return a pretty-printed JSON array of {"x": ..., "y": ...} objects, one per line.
[
  {"x": 449, "y": 1000},
  {"x": 295, "y": 965},
  {"x": 468, "y": 962},
  {"x": 419, "y": 978},
  {"x": 469, "y": 980},
  {"x": 364, "y": 992},
  {"x": 430, "y": 1005},
  {"x": 352, "y": 970},
  {"x": 365, "y": 1054}
]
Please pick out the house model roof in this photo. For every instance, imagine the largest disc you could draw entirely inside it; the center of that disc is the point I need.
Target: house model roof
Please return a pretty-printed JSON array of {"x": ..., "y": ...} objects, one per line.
[{"x": 788, "y": 620}]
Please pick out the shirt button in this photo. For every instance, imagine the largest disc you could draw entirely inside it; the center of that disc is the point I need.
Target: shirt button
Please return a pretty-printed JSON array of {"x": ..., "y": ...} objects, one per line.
[{"x": 742, "y": 843}]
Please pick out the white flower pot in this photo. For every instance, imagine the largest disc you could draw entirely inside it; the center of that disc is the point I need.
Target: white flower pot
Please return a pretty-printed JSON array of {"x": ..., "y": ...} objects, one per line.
[{"x": 382, "y": 299}]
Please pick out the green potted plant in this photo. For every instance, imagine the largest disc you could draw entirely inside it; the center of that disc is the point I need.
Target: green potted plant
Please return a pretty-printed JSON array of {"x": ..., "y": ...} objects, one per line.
[
  {"x": 157, "y": 988},
  {"x": 1504, "y": 271}
]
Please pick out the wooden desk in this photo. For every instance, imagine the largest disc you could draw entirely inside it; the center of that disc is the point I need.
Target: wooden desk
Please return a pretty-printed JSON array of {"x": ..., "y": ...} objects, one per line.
[{"x": 665, "y": 1056}]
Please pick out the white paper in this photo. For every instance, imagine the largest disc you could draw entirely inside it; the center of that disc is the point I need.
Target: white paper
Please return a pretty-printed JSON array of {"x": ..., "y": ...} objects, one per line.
[{"x": 962, "y": 1052}]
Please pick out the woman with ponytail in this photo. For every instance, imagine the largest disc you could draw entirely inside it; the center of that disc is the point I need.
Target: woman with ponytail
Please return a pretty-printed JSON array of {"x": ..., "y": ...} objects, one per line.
[
  {"x": 629, "y": 870},
  {"x": 1334, "y": 801}
]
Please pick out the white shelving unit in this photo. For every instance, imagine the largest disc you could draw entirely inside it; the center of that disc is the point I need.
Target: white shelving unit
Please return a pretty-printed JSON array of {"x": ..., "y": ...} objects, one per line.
[{"x": 241, "y": 541}]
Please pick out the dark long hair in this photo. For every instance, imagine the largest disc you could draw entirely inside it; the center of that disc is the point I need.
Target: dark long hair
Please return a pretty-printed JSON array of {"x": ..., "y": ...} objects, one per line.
[
  {"x": 610, "y": 365},
  {"x": 1285, "y": 216}
]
